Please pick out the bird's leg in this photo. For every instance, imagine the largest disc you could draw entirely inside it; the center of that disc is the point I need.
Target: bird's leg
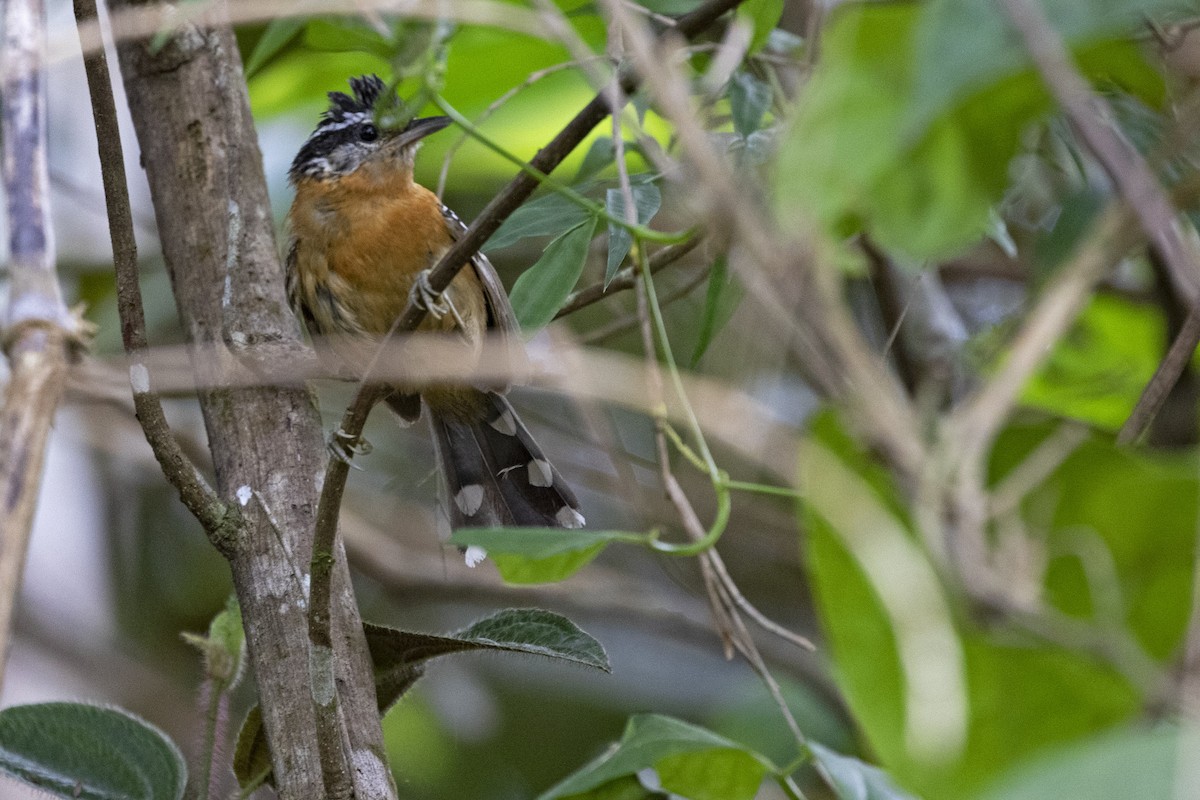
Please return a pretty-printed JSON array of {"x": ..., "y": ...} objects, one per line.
[
  {"x": 345, "y": 447},
  {"x": 438, "y": 305}
]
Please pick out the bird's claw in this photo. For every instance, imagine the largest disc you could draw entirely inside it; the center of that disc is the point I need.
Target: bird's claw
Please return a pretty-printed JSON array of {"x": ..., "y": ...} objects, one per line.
[
  {"x": 425, "y": 297},
  {"x": 345, "y": 447}
]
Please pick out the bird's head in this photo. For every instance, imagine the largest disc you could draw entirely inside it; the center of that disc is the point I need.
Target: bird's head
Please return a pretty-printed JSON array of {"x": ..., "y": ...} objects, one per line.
[{"x": 355, "y": 131}]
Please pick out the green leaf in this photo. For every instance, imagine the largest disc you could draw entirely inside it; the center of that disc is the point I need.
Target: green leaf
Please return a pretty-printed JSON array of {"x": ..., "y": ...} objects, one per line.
[
  {"x": 598, "y": 156},
  {"x": 720, "y": 300},
  {"x": 688, "y": 759},
  {"x": 396, "y": 654},
  {"x": 251, "y": 754},
  {"x": 540, "y": 291},
  {"x": 857, "y": 156},
  {"x": 1115, "y": 766},
  {"x": 627, "y": 788},
  {"x": 1098, "y": 370},
  {"x": 73, "y": 750},
  {"x": 647, "y": 199},
  {"x": 749, "y": 99},
  {"x": 278, "y": 35},
  {"x": 539, "y": 555},
  {"x": 964, "y": 46},
  {"x": 763, "y": 16},
  {"x": 224, "y": 646},
  {"x": 853, "y": 779},
  {"x": 347, "y": 35},
  {"x": 549, "y": 215}
]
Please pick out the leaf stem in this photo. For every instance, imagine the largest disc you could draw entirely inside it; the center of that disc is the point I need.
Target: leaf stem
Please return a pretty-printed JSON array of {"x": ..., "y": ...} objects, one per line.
[{"x": 594, "y": 208}]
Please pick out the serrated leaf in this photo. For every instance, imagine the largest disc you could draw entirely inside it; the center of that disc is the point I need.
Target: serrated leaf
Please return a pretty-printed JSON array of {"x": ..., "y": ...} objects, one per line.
[
  {"x": 85, "y": 752},
  {"x": 749, "y": 99},
  {"x": 252, "y": 754},
  {"x": 539, "y": 555},
  {"x": 549, "y": 215},
  {"x": 278, "y": 35},
  {"x": 652, "y": 741},
  {"x": 647, "y": 199},
  {"x": 540, "y": 291},
  {"x": 855, "y": 780}
]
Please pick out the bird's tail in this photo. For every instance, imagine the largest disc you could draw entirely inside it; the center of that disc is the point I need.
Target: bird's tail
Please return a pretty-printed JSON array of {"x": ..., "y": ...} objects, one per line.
[{"x": 496, "y": 475}]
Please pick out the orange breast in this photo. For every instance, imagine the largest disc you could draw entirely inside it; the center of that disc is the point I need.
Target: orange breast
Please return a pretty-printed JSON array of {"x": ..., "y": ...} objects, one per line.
[{"x": 364, "y": 240}]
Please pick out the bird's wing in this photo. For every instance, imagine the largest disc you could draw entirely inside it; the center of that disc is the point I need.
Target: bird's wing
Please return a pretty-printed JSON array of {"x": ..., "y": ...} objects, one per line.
[{"x": 503, "y": 320}]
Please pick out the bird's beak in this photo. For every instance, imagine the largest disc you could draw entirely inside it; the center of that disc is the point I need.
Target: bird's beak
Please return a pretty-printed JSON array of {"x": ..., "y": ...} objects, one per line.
[{"x": 416, "y": 130}]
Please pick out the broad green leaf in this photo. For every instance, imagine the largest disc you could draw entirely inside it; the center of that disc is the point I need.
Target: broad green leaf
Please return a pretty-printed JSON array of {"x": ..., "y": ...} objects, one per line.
[
  {"x": 1096, "y": 372},
  {"x": 1114, "y": 766},
  {"x": 549, "y": 215},
  {"x": 749, "y": 99},
  {"x": 78, "y": 751},
  {"x": 540, "y": 291},
  {"x": 539, "y": 555},
  {"x": 647, "y": 199},
  {"x": 1023, "y": 696},
  {"x": 856, "y": 157},
  {"x": 278, "y": 35},
  {"x": 924, "y": 655},
  {"x": 854, "y": 779},
  {"x": 964, "y": 46},
  {"x": 722, "y": 774},
  {"x": 396, "y": 653},
  {"x": 627, "y": 788},
  {"x": 658, "y": 742}
]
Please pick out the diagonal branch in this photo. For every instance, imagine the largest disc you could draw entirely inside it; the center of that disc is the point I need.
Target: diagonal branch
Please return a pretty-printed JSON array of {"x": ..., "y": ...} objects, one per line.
[{"x": 183, "y": 474}]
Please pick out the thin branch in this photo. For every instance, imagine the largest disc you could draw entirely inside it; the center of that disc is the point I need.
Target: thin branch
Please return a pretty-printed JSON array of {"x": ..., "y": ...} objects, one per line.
[
  {"x": 40, "y": 334},
  {"x": 1091, "y": 117},
  {"x": 182, "y": 472},
  {"x": 627, "y": 277}
]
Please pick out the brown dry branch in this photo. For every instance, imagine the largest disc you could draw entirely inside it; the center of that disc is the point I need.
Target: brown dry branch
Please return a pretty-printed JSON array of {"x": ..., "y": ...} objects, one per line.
[
  {"x": 198, "y": 144},
  {"x": 40, "y": 335}
]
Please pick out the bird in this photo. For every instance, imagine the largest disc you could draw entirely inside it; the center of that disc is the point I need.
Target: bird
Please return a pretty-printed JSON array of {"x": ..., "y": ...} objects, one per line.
[{"x": 363, "y": 235}]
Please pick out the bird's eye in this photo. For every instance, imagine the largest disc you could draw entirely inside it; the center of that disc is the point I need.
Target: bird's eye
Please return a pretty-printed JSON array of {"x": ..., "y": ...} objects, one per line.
[{"x": 368, "y": 133}]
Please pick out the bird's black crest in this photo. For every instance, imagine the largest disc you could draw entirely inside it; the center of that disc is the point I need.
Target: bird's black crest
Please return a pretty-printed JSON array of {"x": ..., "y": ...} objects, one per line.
[
  {"x": 343, "y": 122},
  {"x": 367, "y": 90}
]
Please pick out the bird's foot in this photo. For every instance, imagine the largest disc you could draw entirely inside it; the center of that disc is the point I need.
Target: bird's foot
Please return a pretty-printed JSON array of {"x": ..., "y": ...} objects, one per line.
[{"x": 345, "y": 447}]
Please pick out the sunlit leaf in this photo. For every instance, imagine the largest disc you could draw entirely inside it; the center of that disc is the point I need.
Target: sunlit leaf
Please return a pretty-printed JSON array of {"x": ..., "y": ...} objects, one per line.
[{"x": 689, "y": 760}]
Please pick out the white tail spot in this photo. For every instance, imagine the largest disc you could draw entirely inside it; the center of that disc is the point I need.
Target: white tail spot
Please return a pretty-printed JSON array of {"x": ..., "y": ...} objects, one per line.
[
  {"x": 505, "y": 423},
  {"x": 569, "y": 518},
  {"x": 474, "y": 555},
  {"x": 469, "y": 499},
  {"x": 540, "y": 473}
]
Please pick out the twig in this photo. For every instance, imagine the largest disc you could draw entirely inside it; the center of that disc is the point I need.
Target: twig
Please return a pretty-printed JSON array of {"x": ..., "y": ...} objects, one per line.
[
  {"x": 40, "y": 333},
  {"x": 1091, "y": 117},
  {"x": 627, "y": 277},
  {"x": 181, "y": 471},
  {"x": 628, "y": 321}
]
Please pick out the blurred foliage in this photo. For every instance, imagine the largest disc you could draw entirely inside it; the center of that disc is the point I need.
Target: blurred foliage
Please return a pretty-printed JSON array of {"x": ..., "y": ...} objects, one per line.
[{"x": 924, "y": 127}]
